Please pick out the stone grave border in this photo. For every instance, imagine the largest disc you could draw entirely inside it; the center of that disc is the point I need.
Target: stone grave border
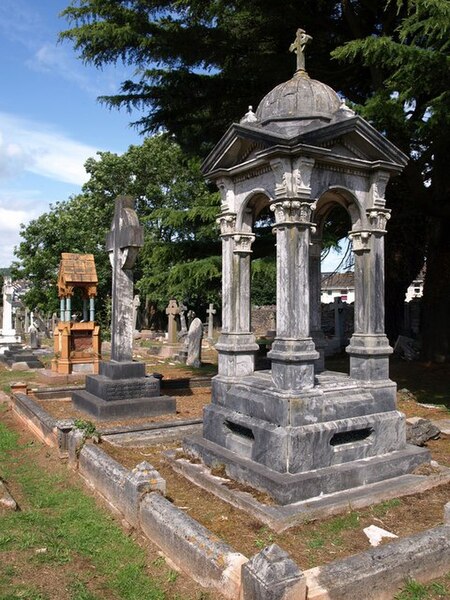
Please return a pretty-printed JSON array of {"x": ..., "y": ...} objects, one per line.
[{"x": 270, "y": 574}]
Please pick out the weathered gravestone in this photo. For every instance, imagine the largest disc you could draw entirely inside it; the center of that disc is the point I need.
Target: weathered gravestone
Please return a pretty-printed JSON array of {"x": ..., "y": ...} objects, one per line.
[
  {"x": 211, "y": 312},
  {"x": 136, "y": 305},
  {"x": 194, "y": 343},
  {"x": 8, "y": 333},
  {"x": 172, "y": 311},
  {"x": 34, "y": 337},
  {"x": 122, "y": 389},
  {"x": 182, "y": 312}
]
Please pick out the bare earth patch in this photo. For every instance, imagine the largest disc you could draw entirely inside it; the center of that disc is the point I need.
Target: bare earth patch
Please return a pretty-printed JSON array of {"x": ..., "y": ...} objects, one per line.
[
  {"x": 190, "y": 405},
  {"x": 309, "y": 544}
]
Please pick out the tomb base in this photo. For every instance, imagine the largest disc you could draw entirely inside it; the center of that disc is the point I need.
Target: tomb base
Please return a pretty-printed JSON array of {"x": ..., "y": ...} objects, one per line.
[
  {"x": 16, "y": 354},
  {"x": 287, "y": 488},
  {"x": 296, "y": 445},
  {"x": 122, "y": 390}
]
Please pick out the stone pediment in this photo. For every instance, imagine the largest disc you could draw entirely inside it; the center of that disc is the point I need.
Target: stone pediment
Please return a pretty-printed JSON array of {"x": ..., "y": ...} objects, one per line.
[
  {"x": 240, "y": 144},
  {"x": 352, "y": 139},
  {"x": 355, "y": 138}
]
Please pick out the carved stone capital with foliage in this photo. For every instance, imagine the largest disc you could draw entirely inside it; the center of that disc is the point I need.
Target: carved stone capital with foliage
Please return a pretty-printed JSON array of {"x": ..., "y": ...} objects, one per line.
[
  {"x": 227, "y": 224},
  {"x": 293, "y": 212},
  {"x": 360, "y": 241},
  {"x": 243, "y": 242},
  {"x": 378, "y": 218}
]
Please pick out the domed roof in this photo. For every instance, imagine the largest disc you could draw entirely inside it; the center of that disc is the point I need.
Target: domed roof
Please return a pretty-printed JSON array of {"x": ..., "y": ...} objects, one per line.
[{"x": 298, "y": 102}]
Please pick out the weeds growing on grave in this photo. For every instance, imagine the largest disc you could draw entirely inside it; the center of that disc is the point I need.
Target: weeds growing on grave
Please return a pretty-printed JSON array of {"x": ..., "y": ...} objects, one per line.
[{"x": 88, "y": 428}]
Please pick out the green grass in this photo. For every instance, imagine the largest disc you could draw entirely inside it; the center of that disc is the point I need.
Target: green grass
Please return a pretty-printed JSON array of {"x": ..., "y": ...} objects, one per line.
[
  {"x": 57, "y": 516},
  {"x": 414, "y": 590},
  {"x": 8, "y": 377}
]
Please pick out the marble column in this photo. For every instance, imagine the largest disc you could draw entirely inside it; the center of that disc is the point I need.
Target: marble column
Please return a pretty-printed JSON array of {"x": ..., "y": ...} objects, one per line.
[
  {"x": 91, "y": 308},
  {"x": 293, "y": 353},
  {"x": 315, "y": 316},
  {"x": 68, "y": 312},
  {"x": 237, "y": 344},
  {"x": 62, "y": 309},
  {"x": 369, "y": 348}
]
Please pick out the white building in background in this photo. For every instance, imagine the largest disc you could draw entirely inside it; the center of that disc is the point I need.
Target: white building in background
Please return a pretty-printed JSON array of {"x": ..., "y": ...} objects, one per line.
[
  {"x": 342, "y": 285},
  {"x": 337, "y": 285},
  {"x": 415, "y": 290}
]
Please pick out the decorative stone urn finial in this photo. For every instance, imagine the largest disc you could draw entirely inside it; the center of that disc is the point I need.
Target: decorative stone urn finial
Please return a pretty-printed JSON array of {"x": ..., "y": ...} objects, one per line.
[
  {"x": 249, "y": 116},
  {"x": 298, "y": 46}
]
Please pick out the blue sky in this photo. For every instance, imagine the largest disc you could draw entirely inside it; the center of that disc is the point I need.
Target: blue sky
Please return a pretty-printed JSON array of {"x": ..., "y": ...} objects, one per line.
[{"x": 50, "y": 119}]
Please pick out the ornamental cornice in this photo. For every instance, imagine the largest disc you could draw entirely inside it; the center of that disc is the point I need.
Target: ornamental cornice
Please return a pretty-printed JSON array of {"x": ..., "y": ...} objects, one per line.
[
  {"x": 253, "y": 174},
  {"x": 326, "y": 166}
]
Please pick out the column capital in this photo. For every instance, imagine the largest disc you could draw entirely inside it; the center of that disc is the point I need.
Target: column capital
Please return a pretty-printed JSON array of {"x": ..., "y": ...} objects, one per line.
[
  {"x": 243, "y": 241},
  {"x": 227, "y": 224},
  {"x": 290, "y": 212},
  {"x": 360, "y": 240},
  {"x": 378, "y": 218}
]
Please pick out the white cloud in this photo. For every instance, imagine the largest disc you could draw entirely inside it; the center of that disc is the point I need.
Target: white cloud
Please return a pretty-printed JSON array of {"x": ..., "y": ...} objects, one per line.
[
  {"x": 41, "y": 149},
  {"x": 57, "y": 60},
  {"x": 25, "y": 208}
]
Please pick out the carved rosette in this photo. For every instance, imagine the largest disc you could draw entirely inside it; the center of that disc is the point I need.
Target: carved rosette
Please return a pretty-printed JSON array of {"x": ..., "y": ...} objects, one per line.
[
  {"x": 360, "y": 241},
  {"x": 227, "y": 224},
  {"x": 293, "y": 212},
  {"x": 378, "y": 217},
  {"x": 243, "y": 242}
]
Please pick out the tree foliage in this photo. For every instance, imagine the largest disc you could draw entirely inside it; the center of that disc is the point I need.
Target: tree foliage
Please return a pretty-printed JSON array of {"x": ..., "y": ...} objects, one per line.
[
  {"x": 181, "y": 251},
  {"x": 412, "y": 107},
  {"x": 199, "y": 63}
]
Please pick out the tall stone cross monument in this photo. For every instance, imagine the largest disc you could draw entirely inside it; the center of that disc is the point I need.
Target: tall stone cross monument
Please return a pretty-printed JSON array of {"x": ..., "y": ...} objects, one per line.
[
  {"x": 123, "y": 243},
  {"x": 122, "y": 389}
]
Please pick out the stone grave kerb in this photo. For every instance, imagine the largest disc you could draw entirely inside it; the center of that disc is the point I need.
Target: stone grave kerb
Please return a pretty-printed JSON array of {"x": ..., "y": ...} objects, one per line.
[{"x": 123, "y": 242}]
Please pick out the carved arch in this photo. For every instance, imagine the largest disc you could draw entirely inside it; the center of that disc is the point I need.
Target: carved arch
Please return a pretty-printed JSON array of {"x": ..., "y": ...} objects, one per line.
[
  {"x": 341, "y": 196},
  {"x": 255, "y": 202}
]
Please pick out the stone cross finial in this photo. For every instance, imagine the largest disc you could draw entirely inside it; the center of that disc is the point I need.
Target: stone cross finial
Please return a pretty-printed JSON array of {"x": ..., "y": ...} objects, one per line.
[
  {"x": 123, "y": 242},
  {"x": 298, "y": 46}
]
